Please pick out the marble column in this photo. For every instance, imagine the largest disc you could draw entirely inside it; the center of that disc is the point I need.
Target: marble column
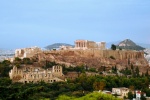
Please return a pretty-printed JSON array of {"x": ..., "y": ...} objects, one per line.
[
  {"x": 75, "y": 44},
  {"x": 82, "y": 44}
]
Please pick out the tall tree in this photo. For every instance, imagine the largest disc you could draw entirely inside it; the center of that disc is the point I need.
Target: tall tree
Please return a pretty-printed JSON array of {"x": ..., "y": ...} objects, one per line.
[
  {"x": 99, "y": 85},
  {"x": 130, "y": 95},
  {"x": 113, "y": 47},
  {"x": 146, "y": 74},
  {"x": 137, "y": 71}
]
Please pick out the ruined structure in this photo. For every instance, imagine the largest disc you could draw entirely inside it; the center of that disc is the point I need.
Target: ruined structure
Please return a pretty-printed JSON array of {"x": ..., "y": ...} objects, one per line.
[
  {"x": 65, "y": 47},
  {"x": 85, "y": 44},
  {"x": 27, "y": 74},
  {"x": 90, "y": 53},
  {"x": 27, "y": 52}
]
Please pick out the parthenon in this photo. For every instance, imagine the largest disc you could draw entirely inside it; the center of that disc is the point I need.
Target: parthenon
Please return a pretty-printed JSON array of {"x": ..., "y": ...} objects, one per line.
[{"x": 85, "y": 44}]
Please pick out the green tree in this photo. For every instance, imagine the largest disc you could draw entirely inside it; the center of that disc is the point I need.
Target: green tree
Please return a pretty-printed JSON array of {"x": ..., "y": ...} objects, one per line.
[
  {"x": 17, "y": 61},
  {"x": 147, "y": 74},
  {"x": 113, "y": 47},
  {"x": 92, "y": 70},
  {"x": 132, "y": 66},
  {"x": 90, "y": 96},
  {"x": 5, "y": 67},
  {"x": 120, "y": 48},
  {"x": 104, "y": 68},
  {"x": 6, "y": 63},
  {"x": 99, "y": 85},
  {"x": 26, "y": 61},
  {"x": 130, "y": 95},
  {"x": 137, "y": 71},
  {"x": 142, "y": 97}
]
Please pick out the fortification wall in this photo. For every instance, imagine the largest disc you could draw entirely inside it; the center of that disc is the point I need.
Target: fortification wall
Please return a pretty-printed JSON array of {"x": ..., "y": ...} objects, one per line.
[{"x": 117, "y": 54}]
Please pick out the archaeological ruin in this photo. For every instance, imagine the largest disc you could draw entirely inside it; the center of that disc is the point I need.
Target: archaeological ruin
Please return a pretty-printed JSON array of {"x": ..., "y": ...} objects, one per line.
[
  {"x": 86, "y": 44},
  {"x": 27, "y": 74},
  {"x": 27, "y": 52}
]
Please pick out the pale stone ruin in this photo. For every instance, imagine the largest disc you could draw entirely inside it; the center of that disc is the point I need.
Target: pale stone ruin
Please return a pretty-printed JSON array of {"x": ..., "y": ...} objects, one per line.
[
  {"x": 27, "y": 52},
  {"x": 65, "y": 47},
  {"x": 86, "y": 44},
  {"x": 27, "y": 74}
]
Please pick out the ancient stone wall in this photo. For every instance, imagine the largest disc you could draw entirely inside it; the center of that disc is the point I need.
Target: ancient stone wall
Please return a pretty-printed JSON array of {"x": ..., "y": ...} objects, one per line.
[
  {"x": 27, "y": 74},
  {"x": 27, "y": 52},
  {"x": 96, "y": 58},
  {"x": 118, "y": 54}
]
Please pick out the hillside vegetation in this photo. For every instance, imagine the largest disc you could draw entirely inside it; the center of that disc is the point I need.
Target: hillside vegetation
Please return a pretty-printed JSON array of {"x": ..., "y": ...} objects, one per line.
[{"x": 91, "y": 96}]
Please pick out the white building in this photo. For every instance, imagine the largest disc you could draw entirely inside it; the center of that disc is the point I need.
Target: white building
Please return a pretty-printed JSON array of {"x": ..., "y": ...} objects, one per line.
[{"x": 120, "y": 91}]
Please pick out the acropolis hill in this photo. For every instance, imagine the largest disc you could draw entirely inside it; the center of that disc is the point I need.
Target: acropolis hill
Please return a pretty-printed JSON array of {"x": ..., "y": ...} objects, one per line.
[
  {"x": 95, "y": 58},
  {"x": 91, "y": 54}
]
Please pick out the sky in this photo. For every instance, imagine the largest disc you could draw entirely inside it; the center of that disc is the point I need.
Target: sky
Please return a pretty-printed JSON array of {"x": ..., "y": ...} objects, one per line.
[{"x": 26, "y": 23}]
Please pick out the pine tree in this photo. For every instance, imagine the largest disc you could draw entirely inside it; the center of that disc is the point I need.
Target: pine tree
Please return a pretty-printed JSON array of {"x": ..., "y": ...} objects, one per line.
[
  {"x": 137, "y": 71},
  {"x": 146, "y": 74}
]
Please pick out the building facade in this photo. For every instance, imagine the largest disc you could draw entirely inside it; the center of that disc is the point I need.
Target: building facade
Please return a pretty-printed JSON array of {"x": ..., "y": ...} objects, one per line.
[
  {"x": 123, "y": 92},
  {"x": 86, "y": 44},
  {"x": 36, "y": 74}
]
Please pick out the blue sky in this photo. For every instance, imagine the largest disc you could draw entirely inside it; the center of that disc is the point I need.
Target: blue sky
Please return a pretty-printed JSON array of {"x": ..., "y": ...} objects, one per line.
[{"x": 25, "y": 23}]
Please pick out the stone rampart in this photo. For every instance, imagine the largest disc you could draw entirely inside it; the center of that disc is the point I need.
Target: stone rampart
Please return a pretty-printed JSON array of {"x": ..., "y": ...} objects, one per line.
[{"x": 117, "y": 54}]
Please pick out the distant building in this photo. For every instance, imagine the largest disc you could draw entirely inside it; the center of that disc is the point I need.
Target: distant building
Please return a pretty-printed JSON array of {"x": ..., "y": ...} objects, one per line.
[
  {"x": 27, "y": 74},
  {"x": 123, "y": 92},
  {"x": 138, "y": 95}
]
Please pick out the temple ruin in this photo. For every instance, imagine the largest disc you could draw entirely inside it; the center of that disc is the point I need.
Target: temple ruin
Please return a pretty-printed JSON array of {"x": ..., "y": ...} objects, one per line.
[{"x": 86, "y": 44}]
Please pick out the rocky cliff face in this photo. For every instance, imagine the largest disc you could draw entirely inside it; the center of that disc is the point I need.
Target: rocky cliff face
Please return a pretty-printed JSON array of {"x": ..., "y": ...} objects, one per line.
[{"x": 96, "y": 58}]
